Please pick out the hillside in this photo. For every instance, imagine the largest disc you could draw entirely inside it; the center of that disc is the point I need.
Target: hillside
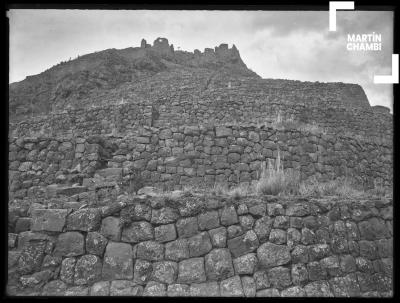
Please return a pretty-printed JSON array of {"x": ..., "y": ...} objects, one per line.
[{"x": 91, "y": 78}]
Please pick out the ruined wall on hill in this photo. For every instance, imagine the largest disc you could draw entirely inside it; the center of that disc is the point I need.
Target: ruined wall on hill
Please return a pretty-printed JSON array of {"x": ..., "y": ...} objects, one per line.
[
  {"x": 202, "y": 246},
  {"x": 173, "y": 157}
]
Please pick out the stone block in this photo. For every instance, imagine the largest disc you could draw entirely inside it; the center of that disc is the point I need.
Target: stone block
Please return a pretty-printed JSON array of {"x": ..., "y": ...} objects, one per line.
[
  {"x": 49, "y": 219},
  {"x": 187, "y": 227},
  {"x": 229, "y": 216},
  {"x": 150, "y": 250},
  {"x": 84, "y": 219},
  {"x": 137, "y": 232},
  {"x": 191, "y": 271},
  {"x": 279, "y": 277},
  {"x": 243, "y": 244},
  {"x": 231, "y": 287},
  {"x": 177, "y": 250},
  {"x": 245, "y": 265},
  {"x": 125, "y": 288},
  {"x": 87, "y": 270},
  {"x": 218, "y": 237},
  {"x": 178, "y": 290},
  {"x": 199, "y": 245},
  {"x": 101, "y": 288},
  {"x": 164, "y": 215},
  {"x": 299, "y": 274},
  {"x": 111, "y": 228},
  {"x": 218, "y": 264},
  {"x": 208, "y": 289},
  {"x": 208, "y": 220},
  {"x": 249, "y": 286},
  {"x": 70, "y": 244},
  {"x": 271, "y": 255},
  {"x": 118, "y": 262},
  {"x": 165, "y": 271},
  {"x": 262, "y": 228},
  {"x": 95, "y": 243},
  {"x": 142, "y": 271},
  {"x": 165, "y": 233}
]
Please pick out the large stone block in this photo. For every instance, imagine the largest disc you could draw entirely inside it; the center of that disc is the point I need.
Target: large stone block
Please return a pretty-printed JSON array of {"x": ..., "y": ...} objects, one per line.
[
  {"x": 373, "y": 229},
  {"x": 345, "y": 286},
  {"x": 218, "y": 237},
  {"x": 187, "y": 227},
  {"x": 95, "y": 243},
  {"x": 243, "y": 244},
  {"x": 49, "y": 219},
  {"x": 155, "y": 289},
  {"x": 231, "y": 287},
  {"x": 31, "y": 257},
  {"x": 218, "y": 264},
  {"x": 84, "y": 219},
  {"x": 125, "y": 288},
  {"x": 67, "y": 271},
  {"x": 245, "y": 265},
  {"x": 229, "y": 216},
  {"x": 70, "y": 244},
  {"x": 178, "y": 290},
  {"x": 101, "y": 288},
  {"x": 142, "y": 271},
  {"x": 165, "y": 271},
  {"x": 221, "y": 131},
  {"x": 87, "y": 270},
  {"x": 208, "y": 289},
  {"x": 150, "y": 250},
  {"x": 177, "y": 250},
  {"x": 165, "y": 233},
  {"x": 137, "y": 232},
  {"x": 249, "y": 286},
  {"x": 262, "y": 228},
  {"x": 137, "y": 212},
  {"x": 318, "y": 289},
  {"x": 191, "y": 271},
  {"x": 271, "y": 255},
  {"x": 299, "y": 274},
  {"x": 118, "y": 263},
  {"x": 199, "y": 245},
  {"x": 279, "y": 277},
  {"x": 298, "y": 210},
  {"x": 208, "y": 220},
  {"x": 164, "y": 215},
  {"x": 111, "y": 228}
]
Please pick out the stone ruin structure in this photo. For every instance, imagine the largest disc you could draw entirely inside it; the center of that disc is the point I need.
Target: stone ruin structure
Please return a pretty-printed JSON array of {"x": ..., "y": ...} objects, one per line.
[{"x": 79, "y": 130}]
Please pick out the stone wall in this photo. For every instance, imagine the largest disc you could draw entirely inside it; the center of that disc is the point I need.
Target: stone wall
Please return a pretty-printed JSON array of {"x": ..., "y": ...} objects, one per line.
[
  {"x": 201, "y": 246},
  {"x": 177, "y": 99},
  {"x": 172, "y": 157}
]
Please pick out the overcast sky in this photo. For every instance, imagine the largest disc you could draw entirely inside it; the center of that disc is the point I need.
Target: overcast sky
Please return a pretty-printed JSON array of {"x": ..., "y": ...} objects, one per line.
[{"x": 275, "y": 44}]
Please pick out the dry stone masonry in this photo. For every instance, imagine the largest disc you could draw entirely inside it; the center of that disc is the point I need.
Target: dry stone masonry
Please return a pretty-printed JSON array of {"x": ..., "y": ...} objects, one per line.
[
  {"x": 203, "y": 246},
  {"x": 89, "y": 136},
  {"x": 173, "y": 157}
]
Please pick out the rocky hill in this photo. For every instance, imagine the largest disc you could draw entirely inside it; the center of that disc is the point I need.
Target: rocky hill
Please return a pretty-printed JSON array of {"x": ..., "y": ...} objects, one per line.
[{"x": 88, "y": 79}]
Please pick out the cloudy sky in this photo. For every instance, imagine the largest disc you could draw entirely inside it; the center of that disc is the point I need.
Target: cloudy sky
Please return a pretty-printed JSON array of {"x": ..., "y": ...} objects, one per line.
[{"x": 275, "y": 44}]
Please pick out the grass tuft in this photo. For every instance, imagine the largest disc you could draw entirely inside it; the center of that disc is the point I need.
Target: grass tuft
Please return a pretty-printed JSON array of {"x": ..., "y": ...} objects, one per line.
[{"x": 275, "y": 180}]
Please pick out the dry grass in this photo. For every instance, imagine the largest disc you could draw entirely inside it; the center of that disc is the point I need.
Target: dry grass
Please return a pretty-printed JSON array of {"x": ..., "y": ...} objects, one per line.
[
  {"x": 275, "y": 179},
  {"x": 341, "y": 187}
]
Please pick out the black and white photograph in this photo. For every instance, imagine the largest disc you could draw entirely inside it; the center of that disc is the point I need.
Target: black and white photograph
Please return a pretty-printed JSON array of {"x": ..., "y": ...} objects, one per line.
[{"x": 156, "y": 152}]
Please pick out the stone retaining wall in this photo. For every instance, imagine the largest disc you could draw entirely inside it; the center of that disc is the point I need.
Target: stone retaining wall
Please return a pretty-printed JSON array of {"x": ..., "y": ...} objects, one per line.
[
  {"x": 202, "y": 246},
  {"x": 336, "y": 107},
  {"x": 174, "y": 157}
]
